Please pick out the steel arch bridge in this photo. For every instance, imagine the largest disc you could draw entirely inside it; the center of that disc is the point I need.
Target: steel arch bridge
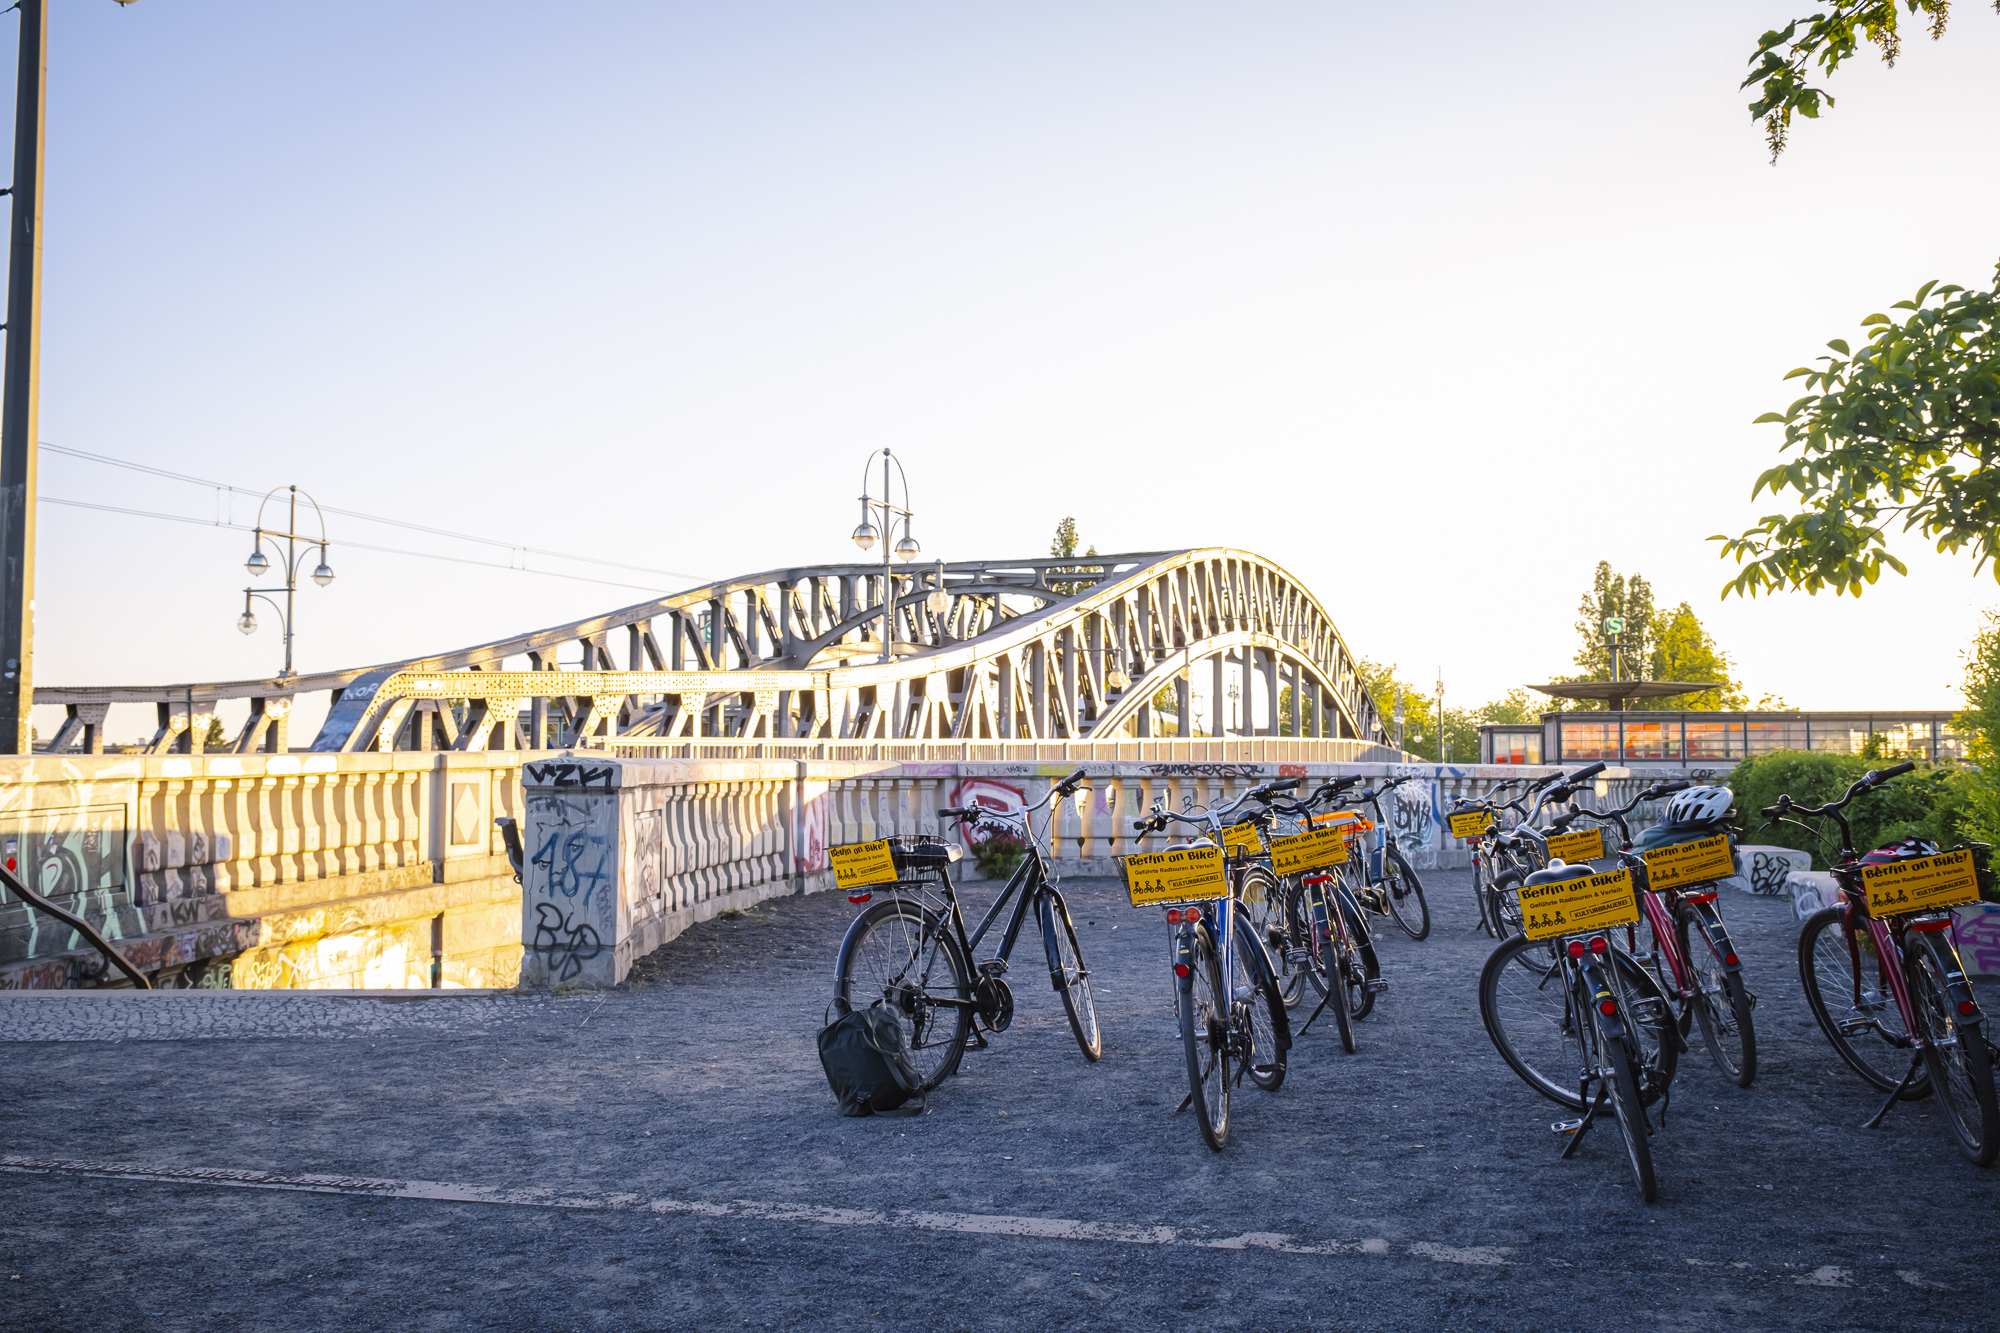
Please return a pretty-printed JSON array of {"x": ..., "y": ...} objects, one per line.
[{"x": 1078, "y": 648}]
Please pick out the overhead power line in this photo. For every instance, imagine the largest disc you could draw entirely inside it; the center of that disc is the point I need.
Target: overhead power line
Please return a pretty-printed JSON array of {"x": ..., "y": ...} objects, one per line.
[
  {"x": 204, "y": 482},
  {"x": 359, "y": 546}
]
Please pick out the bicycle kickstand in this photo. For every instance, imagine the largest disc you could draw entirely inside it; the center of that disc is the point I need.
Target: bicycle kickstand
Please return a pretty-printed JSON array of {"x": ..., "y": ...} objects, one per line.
[
  {"x": 1576, "y": 1129},
  {"x": 1317, "y": 1012},
  {"x": 1916, "y": 1063}
]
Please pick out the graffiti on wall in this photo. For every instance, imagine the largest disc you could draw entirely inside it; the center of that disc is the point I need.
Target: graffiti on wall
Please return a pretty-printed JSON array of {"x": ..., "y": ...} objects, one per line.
[
  {"x": 75, "y": 855},
  {"x": 1411, "y": 810},
  {"x": 992, "y": 794},
  {"x": 570, "y": 884}
]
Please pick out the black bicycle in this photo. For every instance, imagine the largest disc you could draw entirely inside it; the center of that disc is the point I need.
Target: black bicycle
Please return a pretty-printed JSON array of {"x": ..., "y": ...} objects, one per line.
[
  {"x": 1388, "y": 882},
  {"x": 911, "y": 949}
]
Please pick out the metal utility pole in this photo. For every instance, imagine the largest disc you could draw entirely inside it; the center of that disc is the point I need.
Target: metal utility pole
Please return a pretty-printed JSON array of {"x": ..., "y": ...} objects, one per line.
[{"x": 18, "y": 397}]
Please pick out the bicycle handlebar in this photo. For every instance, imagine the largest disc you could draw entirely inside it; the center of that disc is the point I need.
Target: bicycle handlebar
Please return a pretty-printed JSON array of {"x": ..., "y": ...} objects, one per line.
[{"x": 1866, "y": 782}]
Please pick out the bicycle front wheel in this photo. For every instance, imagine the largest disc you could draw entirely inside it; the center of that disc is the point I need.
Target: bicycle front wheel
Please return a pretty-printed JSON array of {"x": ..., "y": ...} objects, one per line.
[
  {"x": 1632, "y": 1125},
  {"x": 903, "y": 953},
  {"x": 1503, "y": 903},
  {"x": 1957, "y": 1056},
  {"x": 1406, "y": 894},
  {"x": 1362, "y": 964},
  {"x": 1258, "y": 1012},
  {"x": 1535, "y": 1022},
  {"x": 1721, "y": 1003},
  {"x": 1204, "y": 1014},
  {"x": 1069, "y": 976},
  {"x": 1858, "y": 1014}
]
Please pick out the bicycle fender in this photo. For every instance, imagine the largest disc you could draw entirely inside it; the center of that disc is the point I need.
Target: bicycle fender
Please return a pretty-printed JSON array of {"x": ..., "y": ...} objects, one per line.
[
  {"x": 1958, "y": 987},
  {"x": 1184, "y": 959},
  {"x": 1613, "y": 1023},
  {"x": 1718, "y": 936}
]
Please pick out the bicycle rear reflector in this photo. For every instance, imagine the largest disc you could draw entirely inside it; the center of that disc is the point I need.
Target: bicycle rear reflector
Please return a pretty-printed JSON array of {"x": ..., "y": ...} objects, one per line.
[
  {"x": 859, "y": 897},
  {"x": 1607, "y": 1007},
  {"x": 1183, "y": 970}
]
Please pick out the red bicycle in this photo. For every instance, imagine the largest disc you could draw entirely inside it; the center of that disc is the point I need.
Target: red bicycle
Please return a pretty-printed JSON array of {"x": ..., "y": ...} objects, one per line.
[{"x": 1882, "y": 972}]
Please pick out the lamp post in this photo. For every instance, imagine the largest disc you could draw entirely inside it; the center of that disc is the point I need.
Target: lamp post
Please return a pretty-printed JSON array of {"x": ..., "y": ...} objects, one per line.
[
  {"x": 1613, "y": 627},
  {"x": 1440, "y": 715},
  {"x": 20, "y": 394},
  {"x": 291, "y": 558},
  {"x": 1399, "y": 720},
  {"x": 905, "y": 549}
]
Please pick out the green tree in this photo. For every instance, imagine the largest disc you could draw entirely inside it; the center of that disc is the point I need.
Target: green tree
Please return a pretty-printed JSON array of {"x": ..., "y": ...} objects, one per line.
[
  {"x": 1065, "y": 544},
  {"x": 1517, "y": 708},
  {"x": 1683, "y": 650},
  {"x": 1980, "y": 723},
  {"x": 1628, "y": 597},
  {"x": 1420, "y": 716},
  {"x": 1784, "y": 56},
  {"x": 1907, "y": 427}
]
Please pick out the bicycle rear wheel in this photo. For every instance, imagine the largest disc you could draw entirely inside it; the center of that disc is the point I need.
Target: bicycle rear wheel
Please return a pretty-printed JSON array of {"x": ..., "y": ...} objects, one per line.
[
  {"x": 1957, "y": 1057},
  {"x": 1479, "y": 895},
  {"x": 1632, "y": 1124},
  {"x": 904, "y": 953},
  {"x": 1304, "y": 953},
  {"x": 1535, "y": 1022},
  {"x": 1860, "y": 1019},
  {"x": 1721, "y": 1003},
  {"x": 1069, "y": 976},
  {"x": 1259, "y": 1012},
  {"x": 1503, "y": 903},
  {"x": 1405, "y": 893},
  {"x": 1363, "y": 966},
  {"x": 1204, "y": 1014}
]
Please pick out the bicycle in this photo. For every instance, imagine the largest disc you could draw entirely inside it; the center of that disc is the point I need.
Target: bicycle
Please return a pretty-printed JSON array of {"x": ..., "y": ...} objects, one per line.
[
  {"x": 1569, "y": 1011},
  {"x": 1895, "y": 910},
  {"x": 912, "y": 951},
  {"x": 1510, "y": 856},
  {"x": 1323, "y": 936},
  {"x": 1388, "y": 882},
  {"x": 1244, "y": 1023}
]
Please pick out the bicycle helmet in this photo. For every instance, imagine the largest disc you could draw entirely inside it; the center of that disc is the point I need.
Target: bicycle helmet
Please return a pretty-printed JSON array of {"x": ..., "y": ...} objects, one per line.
[
  {"x": 1909, "y": 849},
  {"x": 1559, "y": 872},
  {"x": 1698, "y": 805}
]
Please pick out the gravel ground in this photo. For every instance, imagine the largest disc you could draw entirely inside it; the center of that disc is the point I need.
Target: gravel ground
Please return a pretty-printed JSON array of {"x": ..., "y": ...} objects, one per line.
[{"x": 668, "y": 1155}]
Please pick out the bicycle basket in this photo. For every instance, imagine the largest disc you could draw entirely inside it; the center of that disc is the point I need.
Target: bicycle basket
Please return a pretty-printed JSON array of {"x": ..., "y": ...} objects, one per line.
[{"x": 920, "y": 852}]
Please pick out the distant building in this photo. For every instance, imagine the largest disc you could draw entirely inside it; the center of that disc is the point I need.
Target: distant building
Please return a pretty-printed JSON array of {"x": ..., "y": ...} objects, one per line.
[{"x": 1713, "y": 740}]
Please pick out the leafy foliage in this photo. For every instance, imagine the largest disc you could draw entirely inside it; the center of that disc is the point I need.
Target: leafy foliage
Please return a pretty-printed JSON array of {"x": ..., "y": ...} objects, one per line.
[
  {"x": 1684, "y": 650},
  {"x": 1420, "y": 716},
  {"x": 1517, "y": 708},
  {"x": 1981, "y": 721},
  {"x": 1064, "y": 544},
  {"x": 1613, "y": 594},
  {"x": 1784, "y": 56},
  {"x": 1907, "y": 426},
  {"x": 998, "y": 854},
  {"x": 1932, "y": 802}
]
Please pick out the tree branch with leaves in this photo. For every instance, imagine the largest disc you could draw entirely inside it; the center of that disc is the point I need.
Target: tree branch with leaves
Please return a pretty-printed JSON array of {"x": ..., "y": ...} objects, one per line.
[
  {"x": 1784, "y": 58},
  {"x": 1907, "y": 428}
]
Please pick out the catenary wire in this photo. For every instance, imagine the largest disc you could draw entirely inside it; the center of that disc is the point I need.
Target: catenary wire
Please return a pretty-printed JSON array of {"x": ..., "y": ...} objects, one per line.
[{"x": 204, "y": 482}]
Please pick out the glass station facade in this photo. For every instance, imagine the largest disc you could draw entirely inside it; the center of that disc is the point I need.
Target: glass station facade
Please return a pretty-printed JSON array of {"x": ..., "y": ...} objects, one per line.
[{"x": 1725, "y": 738}]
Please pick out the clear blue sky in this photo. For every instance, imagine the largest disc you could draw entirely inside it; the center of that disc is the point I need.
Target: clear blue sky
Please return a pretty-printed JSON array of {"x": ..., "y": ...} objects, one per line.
[{"x": 1435, "y": 304}]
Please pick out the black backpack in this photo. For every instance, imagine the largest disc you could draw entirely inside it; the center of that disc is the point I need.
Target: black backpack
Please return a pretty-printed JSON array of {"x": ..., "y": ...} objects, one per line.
[{"x": 868, "y": 1062}]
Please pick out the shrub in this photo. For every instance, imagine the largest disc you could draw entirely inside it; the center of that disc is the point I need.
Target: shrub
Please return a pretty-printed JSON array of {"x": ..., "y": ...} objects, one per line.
[
  {"x": 998, "y": 855},
  {"x": 1933, "y": 802}
]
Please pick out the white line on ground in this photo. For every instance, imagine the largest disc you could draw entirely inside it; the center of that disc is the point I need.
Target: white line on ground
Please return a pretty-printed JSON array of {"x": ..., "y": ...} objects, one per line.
[{"x": 978, "y": 1224}]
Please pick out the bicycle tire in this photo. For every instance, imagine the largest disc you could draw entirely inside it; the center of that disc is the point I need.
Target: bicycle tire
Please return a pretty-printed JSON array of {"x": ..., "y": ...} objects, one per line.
[
  {"x": 1303, "y": 953},
  {"x": 1204, "y": 1019},
  {"x": 1957, "y": 1057},
  {"x": 1632, "y": 1123},
  {"x": 1267, "y": 1026},
  {"x": 881, "y": 949},
  {"x": 1827, "y": 973},
  {"x": 1340, "y": 962},
  {"x": 1068, "y": 976},
  {"x": 1535, "y": 1022},
  {"x": 1721, "y": 1003},
  {"x": 1364, "y": 966},
  {"x": 1504, "y": 903},
  {"x": 1479, "y": 897},
  {"x": 1403, "y": 889}
]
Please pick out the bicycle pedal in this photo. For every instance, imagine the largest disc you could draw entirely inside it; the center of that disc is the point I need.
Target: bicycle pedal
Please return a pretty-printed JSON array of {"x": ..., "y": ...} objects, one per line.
[
  {"x": 1376, "y": 986},
  {"x": 1565, "y": 1126}
]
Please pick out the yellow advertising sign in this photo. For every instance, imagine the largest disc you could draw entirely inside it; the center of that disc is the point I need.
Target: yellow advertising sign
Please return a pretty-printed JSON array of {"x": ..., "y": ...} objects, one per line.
[
  {"x": 1185, "y": 874},
  {"x": 1471, "y": 824},
  {"x": 1690, "y": 862},
  {"x": 1571, "y": 907},
  {"x": 1242, "y": 835},
  {"x": 1902, "y": 887},
  {"x": 860, "y": 864},
  {"x": 1309, "y": 851},
  {"x": 1582, "y": 845}
]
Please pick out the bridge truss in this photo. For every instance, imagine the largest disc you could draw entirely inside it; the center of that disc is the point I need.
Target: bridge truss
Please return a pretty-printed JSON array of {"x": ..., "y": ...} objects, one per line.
[{"x": 1085, "y": 648}]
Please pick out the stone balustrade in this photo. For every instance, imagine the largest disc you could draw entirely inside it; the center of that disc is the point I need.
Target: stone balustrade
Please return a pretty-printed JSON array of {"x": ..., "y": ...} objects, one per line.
[{"x": 384, "y": 869}]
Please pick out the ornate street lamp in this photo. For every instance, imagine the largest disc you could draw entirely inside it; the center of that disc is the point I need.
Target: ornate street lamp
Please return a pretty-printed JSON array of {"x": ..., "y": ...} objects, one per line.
[
  {"x": 866, "y": 535},
  {"x": 292, "y": 558}
]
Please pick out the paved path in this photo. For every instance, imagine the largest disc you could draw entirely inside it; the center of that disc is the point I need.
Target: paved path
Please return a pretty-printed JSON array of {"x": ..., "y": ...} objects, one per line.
[{"x": 667, "y": 1157}]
